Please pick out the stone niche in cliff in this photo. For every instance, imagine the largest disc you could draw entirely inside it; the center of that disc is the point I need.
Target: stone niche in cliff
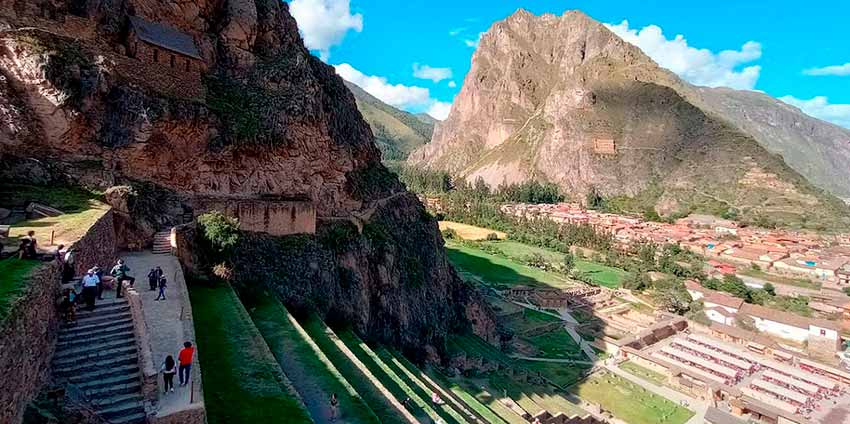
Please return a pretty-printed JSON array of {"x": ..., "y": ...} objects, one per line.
[{"x": 273, "y": 215}]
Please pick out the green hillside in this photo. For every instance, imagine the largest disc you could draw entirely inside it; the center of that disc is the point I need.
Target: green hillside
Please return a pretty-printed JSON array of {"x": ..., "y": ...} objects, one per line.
[{"x": 397, "y": 132}]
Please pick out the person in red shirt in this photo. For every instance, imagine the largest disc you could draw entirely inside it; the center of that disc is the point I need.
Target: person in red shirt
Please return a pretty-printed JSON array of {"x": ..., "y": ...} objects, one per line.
[{"x": 185, "y": 359}]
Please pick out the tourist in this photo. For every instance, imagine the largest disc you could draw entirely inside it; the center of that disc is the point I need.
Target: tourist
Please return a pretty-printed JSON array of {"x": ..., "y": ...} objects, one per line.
[
  {"x": 68, "y": 306},
  {"x": 185, "y": 359},
  {"x": 68, "y": 265},
  {"x": 119, "y": 272},
  {"x": 435, "y": 399},
  {"x": 59, "y": 256},
  {"x": 334, "y": 406},
  {"x": 90, "y": 282},
  {"x": 162, "y": 285},
  {"x": 23, "y": 249},
  {"x": 32, "y": 246},
  {"x": 153, "y": 279},
  {"x": 100, "y": 281},
  {"x": 168, "y": 369}
]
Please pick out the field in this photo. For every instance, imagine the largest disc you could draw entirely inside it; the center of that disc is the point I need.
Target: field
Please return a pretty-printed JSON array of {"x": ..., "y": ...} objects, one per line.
[
  {"x": 242, "y": 381},
  {"x": 630, "y": 402},
  {"x": 499, "y": 271},
  {"x": 470, "y": 232},
  {"x": 528, "y": 320},
  {"x": 556, "y": 344},
  {"x": 13, "y": 274},
  {"x": 643, "y": 372},
  {"x": 82, "y": 209}
]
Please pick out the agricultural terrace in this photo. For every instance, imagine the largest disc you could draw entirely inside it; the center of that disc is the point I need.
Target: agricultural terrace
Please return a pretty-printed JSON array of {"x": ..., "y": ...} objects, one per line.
[
  {"x": 242, "y": 381},
  {"x": 630, "y": 402},
  {"x": 470, "y": 232},
  {"x": 13, "y": 277}
]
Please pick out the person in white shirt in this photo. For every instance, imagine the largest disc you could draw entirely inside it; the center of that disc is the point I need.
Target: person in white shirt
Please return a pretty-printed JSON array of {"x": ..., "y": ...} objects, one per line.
[{"x": 90, "y": 282}]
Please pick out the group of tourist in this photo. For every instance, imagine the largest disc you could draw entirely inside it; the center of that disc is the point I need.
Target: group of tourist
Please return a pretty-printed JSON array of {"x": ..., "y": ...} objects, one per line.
[
  {"x": 156, "y": 280},
  {"x": 92, "y": 284},
  {"x": 183, "y": 366}
]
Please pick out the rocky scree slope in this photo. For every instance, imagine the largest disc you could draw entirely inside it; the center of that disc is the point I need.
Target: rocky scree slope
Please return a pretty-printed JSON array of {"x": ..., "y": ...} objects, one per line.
[
  {"x": 265, "y": 118},
  {"x": 545, "y": 93}
]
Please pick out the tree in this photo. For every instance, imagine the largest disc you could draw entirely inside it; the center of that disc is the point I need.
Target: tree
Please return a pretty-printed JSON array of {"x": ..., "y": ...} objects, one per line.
[
  {"x": 569, "y": 262},
  {"x": 220, "y": 230},
  {"x": 595, "y": 200},
  {"x": 637, "y": 282},
  {"x": 769, "y": 289},
  {"x": 670, "y": 293},
  {"x": 735, "y": 286},
  {"x": 760, "y": 297}
]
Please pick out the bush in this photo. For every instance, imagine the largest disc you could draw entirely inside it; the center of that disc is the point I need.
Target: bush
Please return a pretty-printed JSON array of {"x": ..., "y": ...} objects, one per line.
[
  {"x": 449, "y": 234},
  {"x": 492, "y": 237},
  {"x": 220, "y": 230}
]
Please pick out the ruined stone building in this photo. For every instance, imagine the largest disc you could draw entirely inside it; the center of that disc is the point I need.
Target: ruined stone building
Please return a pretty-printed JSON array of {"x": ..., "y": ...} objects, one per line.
[{"x": 153, "y": 42}]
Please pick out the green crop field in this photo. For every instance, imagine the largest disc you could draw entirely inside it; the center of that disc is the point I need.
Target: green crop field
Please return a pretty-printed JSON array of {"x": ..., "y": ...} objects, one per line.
[
  {"x": 630, "y": 402},
  {"x": 561, "y": 374},
  {"x": 242, "y": 381},
  {"x": 556, "y": 344},
  {"x": 529, "y": 319},
  {"x": 13, "y": 277},
  {"x": 311, "y": 372}
]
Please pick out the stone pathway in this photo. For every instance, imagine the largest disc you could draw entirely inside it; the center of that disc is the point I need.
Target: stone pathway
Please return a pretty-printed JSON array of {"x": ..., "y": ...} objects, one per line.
[
  {"x": 169, "y": 324},
  {"x": 556, "y": 360}
]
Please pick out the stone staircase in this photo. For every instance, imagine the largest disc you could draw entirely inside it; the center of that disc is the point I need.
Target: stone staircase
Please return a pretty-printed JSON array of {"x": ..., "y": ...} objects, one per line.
[
  {"x": 162, "y": 243},
  {"x": 98, "y": 356}
]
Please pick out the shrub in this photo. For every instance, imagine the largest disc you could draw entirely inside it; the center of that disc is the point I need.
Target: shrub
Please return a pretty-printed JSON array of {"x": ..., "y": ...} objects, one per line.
[
  {"x": 220, "y": 230},
  {"x": 449, "y": 234},
  {"x": 492, "y": 237}
]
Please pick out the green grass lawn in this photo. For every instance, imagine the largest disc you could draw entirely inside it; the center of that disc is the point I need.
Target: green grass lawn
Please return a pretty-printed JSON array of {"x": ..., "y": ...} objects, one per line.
[
  {"x": 778, "y": 279},
  {"x": 13, "y": 277},
  {"x": 497, "y": 270},
  {"x": 242, "y": 381},
  {"x": 379, "y": 403},
  {"x": 480, "y": 394},
  {"x": 529, "y": 319},
  {"x": 630, "y": 402},
  {"x": 563, "y": 375},
  {"x": 644, "y": 373},
  {"x": 556, "y": 344},
  {"x": 305, "y": 364}
]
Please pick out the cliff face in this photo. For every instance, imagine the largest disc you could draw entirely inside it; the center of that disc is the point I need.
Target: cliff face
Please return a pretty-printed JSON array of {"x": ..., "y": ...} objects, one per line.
[
  {"x": 563, "y": 99},
  {"x": 264, "y": 118}
]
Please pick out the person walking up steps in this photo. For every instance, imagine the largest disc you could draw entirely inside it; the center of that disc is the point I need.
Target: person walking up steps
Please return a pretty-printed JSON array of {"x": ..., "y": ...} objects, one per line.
[
  {"x": 162, "y": 285},
  {"x": 185, "y": 357},
  {"x": 168, "y": 369},
  {"x": 90, "y": 289},
  {"x": 119, "y": 271}
]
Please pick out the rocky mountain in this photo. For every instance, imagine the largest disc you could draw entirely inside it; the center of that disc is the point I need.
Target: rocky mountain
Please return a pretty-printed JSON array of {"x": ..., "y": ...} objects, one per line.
[
  {"x": 818, "y": 150},
  {"x": 215, "y": 98},
  {"x": 397, "y": 133},
  {"x": 564, "y": 100}
]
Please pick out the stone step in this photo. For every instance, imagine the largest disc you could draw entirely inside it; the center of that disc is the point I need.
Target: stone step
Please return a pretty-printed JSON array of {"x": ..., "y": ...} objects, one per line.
[
  {"x": 84, "y": 351},
  {"x": 96, "y": 356},
  {"x": 101, "y": 372},
  {"x": 120, "y": 389},
  {"x": 129, "y": 419},
  {"x": 122, "y": 409},
  {"x": 105, "y": 402},
  {"x": 74, "y": 368},
  {"x": 102, "y": 310},
  {"x": 96, "y": 329},
  {"x": 98, "y": 338},
  {"x": 114, "y": 381},
  {"x": 101, "y": 320}
]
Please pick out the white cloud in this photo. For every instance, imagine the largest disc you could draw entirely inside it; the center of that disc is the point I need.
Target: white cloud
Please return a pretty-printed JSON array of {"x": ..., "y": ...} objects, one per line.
[
  {"x": 324, "y": 23},
  {"x": 836, "y": 70},
  {"x": 473, "y": 42},
  {"x": 456, "y": 31},
  {"x": 412, "y": 98},
  {"x": 440, "y": 110},
  {"x": 698, "y": 66},
  {"x": 821, "y": 108},
  {"x": 429, "y": 73},
  {"x": 452, "y": 84}
]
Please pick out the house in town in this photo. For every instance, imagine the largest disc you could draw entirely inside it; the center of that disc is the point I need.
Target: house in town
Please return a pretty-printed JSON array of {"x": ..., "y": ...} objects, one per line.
[
  {"x": 820, "y": 335},
  {"x": 719, "y": 307},
  {"x": 812, "y": 267},
  {"x": 749, "y": 256}
]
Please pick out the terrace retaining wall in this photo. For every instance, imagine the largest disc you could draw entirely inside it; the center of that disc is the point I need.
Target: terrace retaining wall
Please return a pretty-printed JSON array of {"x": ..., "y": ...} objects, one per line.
[{"x": 28, "y": 334}]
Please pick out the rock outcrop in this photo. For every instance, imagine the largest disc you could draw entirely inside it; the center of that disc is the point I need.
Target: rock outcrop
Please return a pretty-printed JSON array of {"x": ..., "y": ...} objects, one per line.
[
  {"x": 263, "y": 118},
  {"x": 563, "y": 99}
]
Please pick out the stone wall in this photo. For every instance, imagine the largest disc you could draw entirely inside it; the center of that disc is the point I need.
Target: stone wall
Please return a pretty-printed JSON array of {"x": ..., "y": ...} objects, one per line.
[
  {"x": 270, "y": 216},
  {"x": 27, "y": 342},
  {"x": 28, "y": 335}
]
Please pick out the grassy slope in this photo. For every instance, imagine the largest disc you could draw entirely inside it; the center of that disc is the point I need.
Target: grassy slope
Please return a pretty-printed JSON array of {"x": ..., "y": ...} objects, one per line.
[
  {"x": 299, "y": 356},
  {"x": 242, "y": 381},
  {"x": 13, "y": 274},
  {"x": 378, "y": 401},
  {"x": 556, "y": 344},
  {"x": 397, "y": 133},
  {"x": 643, "y": 372},
  {"x": 497, "y": 270},
  {"x": 630, "y": 402}
]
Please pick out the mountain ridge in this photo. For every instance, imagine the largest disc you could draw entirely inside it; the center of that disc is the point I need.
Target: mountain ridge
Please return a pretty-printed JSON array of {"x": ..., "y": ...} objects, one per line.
[{"x": 565, "y": 100}]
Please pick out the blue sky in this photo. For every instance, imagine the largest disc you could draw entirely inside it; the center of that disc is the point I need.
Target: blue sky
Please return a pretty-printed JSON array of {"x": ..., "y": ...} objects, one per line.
[{"x": 403, "y": 52}]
